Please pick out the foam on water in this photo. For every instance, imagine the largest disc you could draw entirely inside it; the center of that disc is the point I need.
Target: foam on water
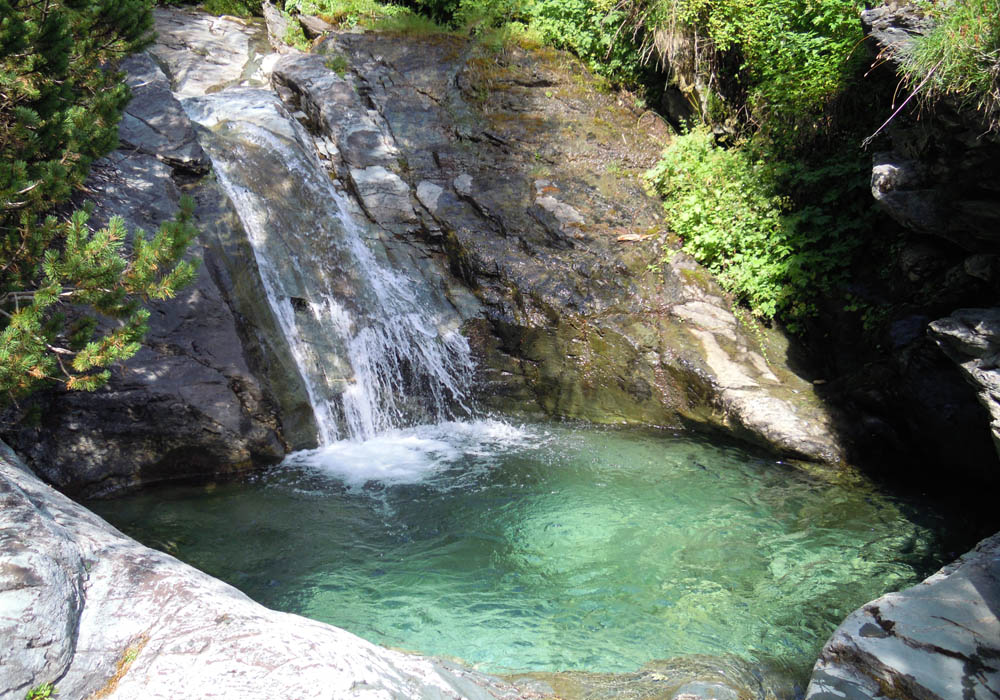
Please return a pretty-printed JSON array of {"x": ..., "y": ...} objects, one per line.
[{"x": 413, "y": 455}]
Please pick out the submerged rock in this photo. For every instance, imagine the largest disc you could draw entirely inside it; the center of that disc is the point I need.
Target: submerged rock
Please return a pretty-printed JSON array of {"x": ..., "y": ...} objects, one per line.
[
  {"x": 99, "y": 615},
  {"x": 938, "y": 640},
  {"x": 682, "y": 678}
]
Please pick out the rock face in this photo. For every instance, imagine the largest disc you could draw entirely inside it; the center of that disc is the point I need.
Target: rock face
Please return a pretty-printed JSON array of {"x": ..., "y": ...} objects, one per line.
[
  {"x": 936, "y": 641},
  {"x": 101, "y": 616},
  {"x": 971, "y": 337},
  {"x": 939, "y": 175},
  {"x": 508, "y": 182},
  {"x": 503, "y": 163},
  {"x": 193, "y": 401},
  {"x": 936, "y": 174}
]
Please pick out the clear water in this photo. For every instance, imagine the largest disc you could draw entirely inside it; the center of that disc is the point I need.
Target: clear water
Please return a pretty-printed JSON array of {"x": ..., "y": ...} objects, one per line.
[{"x": 550, "y": 547}]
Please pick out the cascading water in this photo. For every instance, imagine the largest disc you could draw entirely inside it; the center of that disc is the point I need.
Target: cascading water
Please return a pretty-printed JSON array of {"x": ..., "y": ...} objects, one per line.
[{"x": 376, "y": 345}]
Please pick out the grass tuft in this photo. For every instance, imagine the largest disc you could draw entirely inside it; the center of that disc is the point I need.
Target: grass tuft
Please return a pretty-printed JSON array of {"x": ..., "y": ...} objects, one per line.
[{"x": 959, "y": 57}]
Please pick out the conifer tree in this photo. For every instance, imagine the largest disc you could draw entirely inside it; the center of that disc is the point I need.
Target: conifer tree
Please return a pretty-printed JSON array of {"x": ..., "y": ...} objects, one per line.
[{"x": 70, "y": 297}]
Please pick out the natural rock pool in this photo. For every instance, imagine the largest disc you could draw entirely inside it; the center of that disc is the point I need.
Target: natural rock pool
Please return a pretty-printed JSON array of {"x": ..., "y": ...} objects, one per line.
[{"x": 551, "y": 547}]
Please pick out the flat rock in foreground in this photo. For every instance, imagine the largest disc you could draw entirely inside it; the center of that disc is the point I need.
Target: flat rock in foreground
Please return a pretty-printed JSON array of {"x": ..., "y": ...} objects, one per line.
[{"x": 100, "y": 615}]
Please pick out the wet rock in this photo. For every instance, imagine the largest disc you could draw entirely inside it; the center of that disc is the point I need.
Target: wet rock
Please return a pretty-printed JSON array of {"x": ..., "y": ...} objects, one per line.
[
  {"x": 971, "y": 338},
  {"x": 187, "y": 404},
  {"x": 935, "y": 641},
  {"x": 531, "y": 203},
  {"x": 213, "y": 389},
  {"x": 100, "y": 615}
]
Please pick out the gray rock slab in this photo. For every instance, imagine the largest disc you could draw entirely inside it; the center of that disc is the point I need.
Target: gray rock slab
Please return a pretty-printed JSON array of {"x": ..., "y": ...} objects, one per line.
[
  {"x": 153, "y": 122},
  {"x": 202, "y": 53},
  {"x": 971, "y": 338},
  {"x": 93, "y": 611},
  {"x": 187, "y": 404},
  {"x": 938, "y": 640},
  {"x": 314, "y": 26}
]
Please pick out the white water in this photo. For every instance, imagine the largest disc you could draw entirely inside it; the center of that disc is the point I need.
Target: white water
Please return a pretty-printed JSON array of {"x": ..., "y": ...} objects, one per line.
[
  {"x": 366, "y": 339},
  {"x": 413, "y": 455}
]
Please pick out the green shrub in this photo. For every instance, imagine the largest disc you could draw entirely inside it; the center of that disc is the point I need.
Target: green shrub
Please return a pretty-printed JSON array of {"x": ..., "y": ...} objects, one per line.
[
  {"x": 794, "y": 55},
  {"x": 591, "y": 29},
  {"x": 41, "y": 692},
  {"x": 353, "y": 13},
  {"x": 959, "y": 56},
  {"x": 236, "y": 8},
  {"x": 729, "y": 209},
  {"x": 720, "y": 204}
]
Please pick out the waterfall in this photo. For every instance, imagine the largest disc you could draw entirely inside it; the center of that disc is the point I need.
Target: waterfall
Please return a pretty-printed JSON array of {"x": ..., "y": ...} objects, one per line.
[{"x": 377, "y": 345}]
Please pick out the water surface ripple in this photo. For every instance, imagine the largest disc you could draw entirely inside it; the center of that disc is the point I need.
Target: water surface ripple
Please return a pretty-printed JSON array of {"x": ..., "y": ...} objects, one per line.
[{"x": 551, "y": 547}]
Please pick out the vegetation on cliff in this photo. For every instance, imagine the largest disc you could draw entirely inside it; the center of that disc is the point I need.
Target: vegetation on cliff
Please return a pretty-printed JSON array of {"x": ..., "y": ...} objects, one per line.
[
  {"x": 70, "y": 297},
  {"x": 959, "y": 57},
  {"x": 779, "y": 208}
]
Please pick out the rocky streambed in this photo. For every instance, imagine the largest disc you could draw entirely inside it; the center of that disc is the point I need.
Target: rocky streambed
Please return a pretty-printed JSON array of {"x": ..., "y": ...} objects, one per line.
[{"x": 508, "y": 184}]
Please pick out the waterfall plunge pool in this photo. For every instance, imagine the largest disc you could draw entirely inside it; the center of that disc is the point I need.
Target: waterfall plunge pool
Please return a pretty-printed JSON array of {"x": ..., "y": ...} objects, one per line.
[{"x": 552, "y": 547}]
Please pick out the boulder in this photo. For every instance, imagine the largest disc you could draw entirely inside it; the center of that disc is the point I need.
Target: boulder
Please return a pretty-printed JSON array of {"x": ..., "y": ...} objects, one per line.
[
  {"x": 101, "y": 616},
  {"x": 938, "y": 640}
]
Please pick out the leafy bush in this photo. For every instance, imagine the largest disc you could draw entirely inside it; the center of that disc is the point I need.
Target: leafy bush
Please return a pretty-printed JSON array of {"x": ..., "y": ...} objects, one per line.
[
  {"x": 720, "y": 204},
  {"x": 795, "y": 54},
  {"x": 353, "y": 13},
  {"x": 774, "y": 255},
  {"x": 237, "y": 8},
  {"x": 959, "y": 56},
  {"x": 591, "y": 29},
  {"x": 60, "y": 101}
]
